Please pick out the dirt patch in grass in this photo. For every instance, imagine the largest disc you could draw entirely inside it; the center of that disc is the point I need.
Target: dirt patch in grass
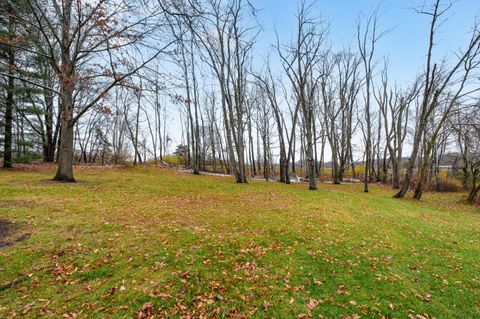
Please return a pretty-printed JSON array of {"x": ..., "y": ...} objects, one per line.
[{"x": 12, "y": 233}]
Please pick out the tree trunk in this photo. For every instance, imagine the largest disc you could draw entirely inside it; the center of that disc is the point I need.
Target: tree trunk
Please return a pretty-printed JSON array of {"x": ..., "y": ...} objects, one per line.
[
  {"x": 65, "y": 158},
  {"x": 7, "y": 150},
  {"x": 411, "y": 163},
  {"x": 310, "y": 160},
  {"x": 51, "y": 132},
  {"x": 423, "y": 176},
  {"x": 65, "y": 150},
  {"x": 196, "y": 129},
  {"x": 321, "y": 164},
  {"x": 335, "y": 167},
  {"x": 367, "y": 166},
  {"x": 212, "y": 140},
  {"x": 294, "y": 142},
  {"x": 7, "y": 155},
  {"x": 395, "y": 174},
  {"x": 475, "y": 190},
  {"x": 315, "y": 152},
  {"x": 251, "y": 147},
  {"x": 242, "y": 177},
  {"x": 385, "y": 167}
]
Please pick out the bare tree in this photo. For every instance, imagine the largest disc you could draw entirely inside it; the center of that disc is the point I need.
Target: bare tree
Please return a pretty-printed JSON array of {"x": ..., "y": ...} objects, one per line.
[
  {"x": 339, "y": 91},
  {"x": 226, "y": 45},
  {"x": 77, "y": 36},
  {"x": 300, "y": 60},
  {"x": 270, "y": 86},
  {"x": 394, "y": 104},
  {"x": 445, "y": 86},
  {"x": 466, "y": 128},
  {"x": 367, "y": 37}
]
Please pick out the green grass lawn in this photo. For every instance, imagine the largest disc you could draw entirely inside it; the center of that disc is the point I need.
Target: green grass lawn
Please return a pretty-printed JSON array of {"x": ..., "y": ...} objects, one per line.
[{"x": 141, "y": 242}]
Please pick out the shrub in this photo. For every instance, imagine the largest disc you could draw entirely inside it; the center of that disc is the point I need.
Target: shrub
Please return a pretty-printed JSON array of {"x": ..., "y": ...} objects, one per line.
[
  {"x": 27, "y": 159},
  {"x": 445, "y": 186},
  {"x": 172, "y": 160},
  {"x": 120, "y": 158}
]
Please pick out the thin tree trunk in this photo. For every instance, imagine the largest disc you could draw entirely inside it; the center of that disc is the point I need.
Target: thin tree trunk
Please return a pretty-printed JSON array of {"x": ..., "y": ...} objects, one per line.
[
  {"x": 9, "y": 103},
  {"x": 310, "y": 160}
]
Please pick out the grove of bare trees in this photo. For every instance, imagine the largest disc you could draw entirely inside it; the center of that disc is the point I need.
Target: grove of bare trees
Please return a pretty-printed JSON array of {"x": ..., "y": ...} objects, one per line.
[{"x": 180, "y": 82}]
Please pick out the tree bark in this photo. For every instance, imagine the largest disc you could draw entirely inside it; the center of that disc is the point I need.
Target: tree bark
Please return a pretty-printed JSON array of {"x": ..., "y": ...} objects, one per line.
[
  {"x": 7, "y": 149},
  {"x": 65, "y": 158},
  {"x": 424, "y": 169},
  {"x": 310, "y": 160},
  {"x": 411, "y": 163},
  {"x": 475, "y": 190}
]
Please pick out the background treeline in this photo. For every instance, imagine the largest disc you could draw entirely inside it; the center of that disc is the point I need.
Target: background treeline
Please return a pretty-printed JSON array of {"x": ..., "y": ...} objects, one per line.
[{"x": 99, "y": 81}]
